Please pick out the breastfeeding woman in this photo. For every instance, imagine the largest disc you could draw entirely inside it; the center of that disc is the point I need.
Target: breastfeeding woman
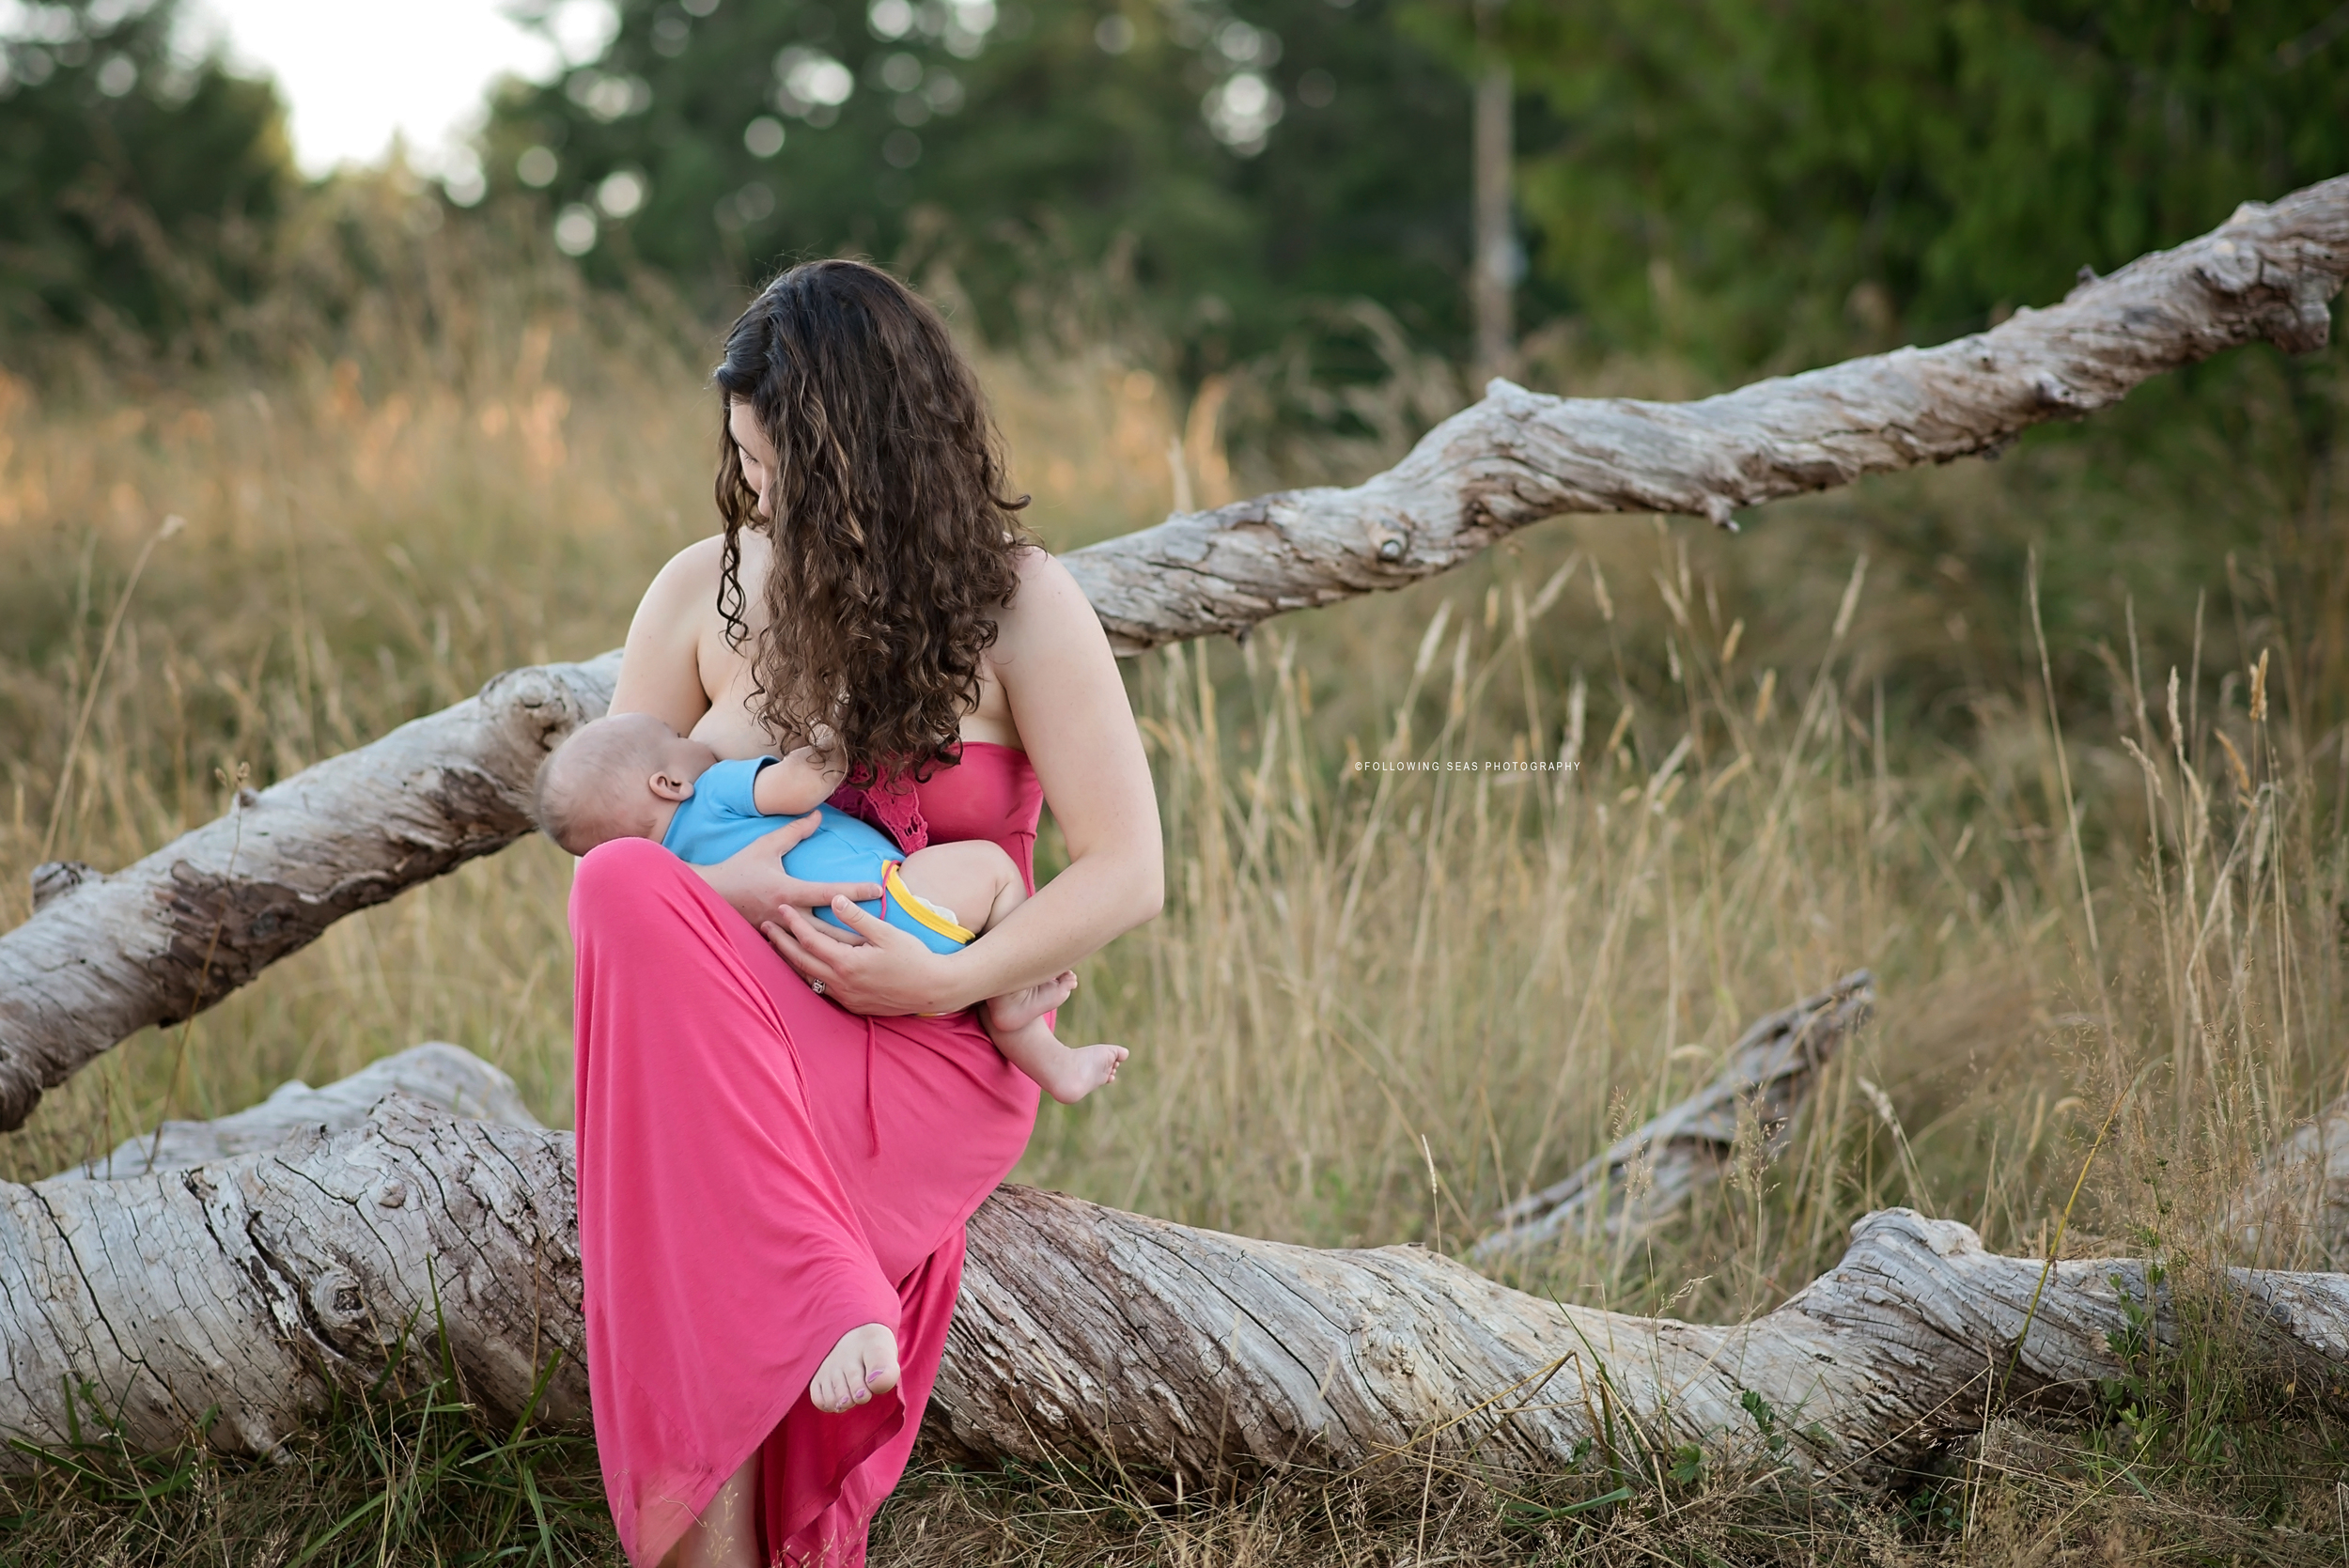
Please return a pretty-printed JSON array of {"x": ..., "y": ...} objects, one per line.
[{"x": 781, "y": 1134}]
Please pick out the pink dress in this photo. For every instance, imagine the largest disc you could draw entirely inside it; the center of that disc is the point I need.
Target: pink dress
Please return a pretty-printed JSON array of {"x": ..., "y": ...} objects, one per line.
[{"x": 760, "y": 1171}]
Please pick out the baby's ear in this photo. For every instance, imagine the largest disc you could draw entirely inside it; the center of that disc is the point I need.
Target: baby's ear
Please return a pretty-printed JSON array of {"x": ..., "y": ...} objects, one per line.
[{"x": 668, "y": 787}]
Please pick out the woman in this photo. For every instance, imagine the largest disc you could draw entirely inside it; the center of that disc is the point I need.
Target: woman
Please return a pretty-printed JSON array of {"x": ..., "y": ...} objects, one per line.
[{"x": 780, "y": 1134}]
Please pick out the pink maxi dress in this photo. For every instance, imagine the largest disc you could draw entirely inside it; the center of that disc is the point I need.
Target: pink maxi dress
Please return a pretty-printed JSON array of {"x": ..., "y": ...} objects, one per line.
[{"x": 761, "y": 1172}]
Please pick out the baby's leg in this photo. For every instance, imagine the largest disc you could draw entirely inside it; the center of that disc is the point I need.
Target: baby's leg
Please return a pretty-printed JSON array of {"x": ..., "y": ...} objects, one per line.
[
  {"x": 981, "y": 885},
  {"x": 973, "y": 878},
  {"x": 977, "y": 878},
  {"x": 1067, "y": 1073}
]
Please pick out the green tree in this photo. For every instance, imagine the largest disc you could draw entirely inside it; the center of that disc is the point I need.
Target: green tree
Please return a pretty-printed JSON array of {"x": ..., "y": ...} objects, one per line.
[
  {"x": 1229, "y": 159},
  {"x": 137, "y": 188},
  {"x": 1753, "y": 183}
]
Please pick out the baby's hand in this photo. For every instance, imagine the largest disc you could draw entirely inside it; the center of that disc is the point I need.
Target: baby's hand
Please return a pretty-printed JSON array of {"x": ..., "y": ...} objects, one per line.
[{"x": 797, "y": 784}]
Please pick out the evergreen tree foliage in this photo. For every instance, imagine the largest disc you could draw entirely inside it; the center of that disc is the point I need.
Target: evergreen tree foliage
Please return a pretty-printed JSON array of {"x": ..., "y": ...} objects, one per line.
[
  {"x": 1227, "y": 158},
  {"x": 136, "y": 186},
  {"x": 1757, "y": 183}
]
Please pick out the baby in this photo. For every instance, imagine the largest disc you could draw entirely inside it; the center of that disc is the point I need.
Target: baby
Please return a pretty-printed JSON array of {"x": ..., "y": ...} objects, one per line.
[{"x": 632, "y": 776}]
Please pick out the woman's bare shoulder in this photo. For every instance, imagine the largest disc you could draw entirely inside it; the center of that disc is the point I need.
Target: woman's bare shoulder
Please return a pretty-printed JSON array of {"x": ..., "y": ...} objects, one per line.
[
  {"x": 1049, "y": 615},
  {"x": 675, "y": 624},
  {"x": 690, "y": 576},
  {"x": 1048, "y": 592},
  {"x": 682, "y": 600}
]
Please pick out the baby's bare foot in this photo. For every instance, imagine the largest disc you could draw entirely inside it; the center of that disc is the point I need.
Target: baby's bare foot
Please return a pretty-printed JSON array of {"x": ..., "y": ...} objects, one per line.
[
  {"x": 1015, "y": 1010},
  {"x": 863, "y": 1364},
  {"x": 1078, "y": 1070}
]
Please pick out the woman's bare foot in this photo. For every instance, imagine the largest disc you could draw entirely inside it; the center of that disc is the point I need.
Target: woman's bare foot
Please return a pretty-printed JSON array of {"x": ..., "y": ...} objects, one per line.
[
  {"x": 1015, "y": 1010},
  {"x": 1076, "y": 1071},
  {"x": 863, "y": 1364}
]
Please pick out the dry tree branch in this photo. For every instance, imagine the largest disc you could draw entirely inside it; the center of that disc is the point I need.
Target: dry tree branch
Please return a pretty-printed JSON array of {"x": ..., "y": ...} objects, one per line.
[{"x": 1516, "y": 457}]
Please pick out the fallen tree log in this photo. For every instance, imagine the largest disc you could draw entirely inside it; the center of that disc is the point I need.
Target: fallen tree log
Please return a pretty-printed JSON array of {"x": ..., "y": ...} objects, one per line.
[
  {"x": 104, "y": 956},
  {"x": 1649, "y": 1172},
  {"x": 239, "y": 1292}
]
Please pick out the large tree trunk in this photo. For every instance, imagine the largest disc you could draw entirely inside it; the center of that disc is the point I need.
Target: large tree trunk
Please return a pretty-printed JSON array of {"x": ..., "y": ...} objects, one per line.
[
  {"x": 248, "y": 1285},
  {"x": 104, "y": 956}
]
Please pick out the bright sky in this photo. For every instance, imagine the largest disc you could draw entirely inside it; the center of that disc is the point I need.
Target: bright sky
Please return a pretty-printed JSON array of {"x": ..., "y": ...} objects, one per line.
[{"x": 355, "y": 71}]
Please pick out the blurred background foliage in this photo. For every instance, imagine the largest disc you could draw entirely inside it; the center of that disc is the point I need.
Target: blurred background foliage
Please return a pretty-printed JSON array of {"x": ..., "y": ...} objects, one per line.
[
  {"x": 138, "y": 190},
  {"x": 1755, "y": 182},
  {"x": 1749, "y": 183}
]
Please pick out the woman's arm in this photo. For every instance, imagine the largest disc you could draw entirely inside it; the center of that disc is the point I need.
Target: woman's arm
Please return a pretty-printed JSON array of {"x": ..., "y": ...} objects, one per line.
[
  {"x": 660, "y": 668},
  {"x": 1069, "y": 707}
]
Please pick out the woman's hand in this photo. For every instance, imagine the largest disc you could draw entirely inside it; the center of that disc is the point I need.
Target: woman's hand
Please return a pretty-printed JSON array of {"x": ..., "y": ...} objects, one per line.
[
  {"x": 754, "y": 882},
  {"x": 890, "y": 974}
]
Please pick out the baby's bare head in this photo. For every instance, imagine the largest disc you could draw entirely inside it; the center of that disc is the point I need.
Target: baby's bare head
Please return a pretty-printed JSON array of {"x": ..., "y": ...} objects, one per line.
[{"x": 606, "y": 782}]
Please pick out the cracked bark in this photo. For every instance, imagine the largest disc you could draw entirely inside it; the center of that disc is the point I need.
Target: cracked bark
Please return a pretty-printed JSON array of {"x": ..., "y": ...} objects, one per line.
[
  {"x": 252, "y": 1284},
  {"x": 249, "y": 1286},
  {"x": 105, "y": 955}
]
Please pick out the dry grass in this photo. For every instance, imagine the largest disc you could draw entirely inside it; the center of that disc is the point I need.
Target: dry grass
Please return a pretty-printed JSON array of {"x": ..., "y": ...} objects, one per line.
[{"x": 1380, "y": 1002}]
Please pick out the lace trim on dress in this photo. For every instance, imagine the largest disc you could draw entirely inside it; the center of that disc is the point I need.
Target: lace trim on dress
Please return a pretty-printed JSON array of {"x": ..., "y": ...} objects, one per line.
[{"x": 889, "y": 804}]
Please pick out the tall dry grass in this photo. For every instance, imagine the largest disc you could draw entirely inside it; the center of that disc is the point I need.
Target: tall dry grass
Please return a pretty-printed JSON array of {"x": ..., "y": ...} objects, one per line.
[{"x": 1461, "y": 880}]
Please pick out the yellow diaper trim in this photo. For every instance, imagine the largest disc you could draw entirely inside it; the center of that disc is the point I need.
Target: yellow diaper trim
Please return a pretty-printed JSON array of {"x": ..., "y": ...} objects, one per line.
[{"x": 921, "y": 909}]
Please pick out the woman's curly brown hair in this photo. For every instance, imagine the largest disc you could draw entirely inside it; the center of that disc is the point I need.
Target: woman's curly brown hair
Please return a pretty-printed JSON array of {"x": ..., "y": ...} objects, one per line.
[{"x": 893, "y": 539}]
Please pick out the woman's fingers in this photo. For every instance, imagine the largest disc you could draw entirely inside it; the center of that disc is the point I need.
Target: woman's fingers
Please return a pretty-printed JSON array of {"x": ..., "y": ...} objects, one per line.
[
  {"x": 865, "y": 926},
  {"x": 813, "y": 959},
  {"x": 877, "y": 968},
  {"x": 766, "y": 852},
  {"x": 813, "y": 944}
]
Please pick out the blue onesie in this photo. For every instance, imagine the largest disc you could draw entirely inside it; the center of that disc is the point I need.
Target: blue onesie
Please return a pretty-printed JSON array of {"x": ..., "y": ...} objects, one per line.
[{"x": 721, "y": 817}]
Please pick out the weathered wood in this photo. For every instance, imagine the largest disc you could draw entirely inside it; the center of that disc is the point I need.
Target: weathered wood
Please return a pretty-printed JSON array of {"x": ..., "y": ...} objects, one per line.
[
  {"x": 252, "y": 1284},
  {"x": 1649, "y": 1172},
  {"x": 1089, "y": 1331},
  {"x": 104, "y": 956},
  {"x": 1518, "y": 458},
  {"x": 435, "y": 1076}
]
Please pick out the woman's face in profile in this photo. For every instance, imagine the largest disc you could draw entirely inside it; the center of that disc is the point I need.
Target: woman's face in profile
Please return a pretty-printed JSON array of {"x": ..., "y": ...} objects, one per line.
[{"x": 757, "y": 454}]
